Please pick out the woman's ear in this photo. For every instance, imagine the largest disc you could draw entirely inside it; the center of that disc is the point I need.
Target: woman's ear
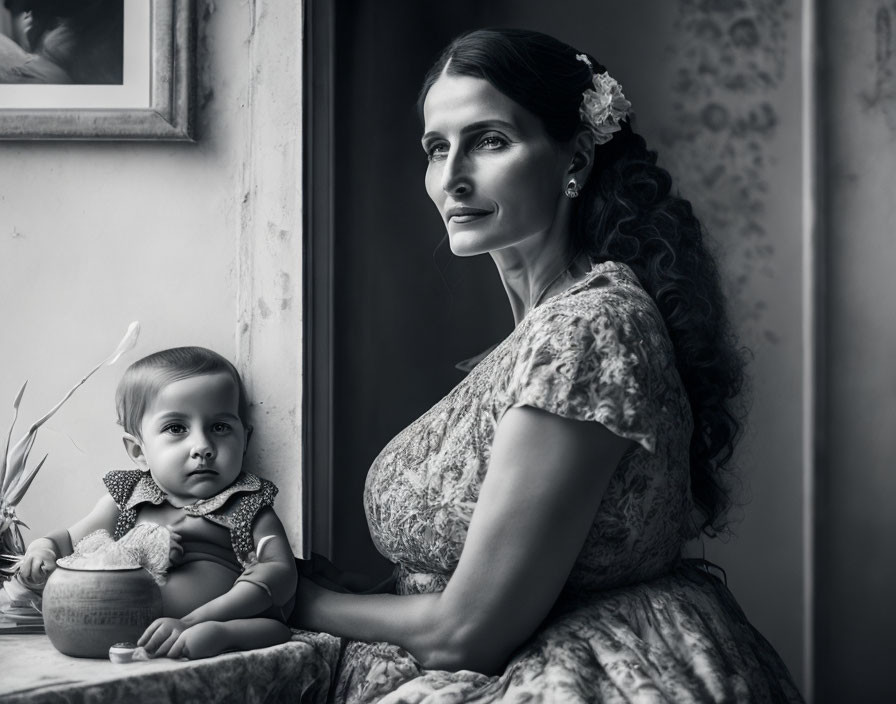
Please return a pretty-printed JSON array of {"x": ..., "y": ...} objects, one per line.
[
  {"x": 134, "y": 448},
  {"x": 583, "y": 156}
]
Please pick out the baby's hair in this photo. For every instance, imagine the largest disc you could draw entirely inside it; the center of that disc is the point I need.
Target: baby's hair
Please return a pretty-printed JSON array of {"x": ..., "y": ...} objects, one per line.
[{"x": 146, "y": 377}]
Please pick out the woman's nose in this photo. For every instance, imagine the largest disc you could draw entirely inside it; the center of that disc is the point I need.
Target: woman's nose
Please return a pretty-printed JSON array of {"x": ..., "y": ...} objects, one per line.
[{"x": 456, "y": 178}]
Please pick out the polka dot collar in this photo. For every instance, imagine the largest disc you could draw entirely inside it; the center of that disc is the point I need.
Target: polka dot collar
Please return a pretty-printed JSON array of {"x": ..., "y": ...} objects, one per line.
[{"x": 147, "y": 491}]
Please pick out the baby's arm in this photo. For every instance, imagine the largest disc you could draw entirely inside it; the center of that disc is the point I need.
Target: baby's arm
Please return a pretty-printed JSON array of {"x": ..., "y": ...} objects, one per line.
[
  {"x": 39, "y": 559},
  {"x": 269, "y": 582},
  {"x": 237, "y": 613},
  {"x": 205, "y": 640},
  {"x": 274, "y": 570}
]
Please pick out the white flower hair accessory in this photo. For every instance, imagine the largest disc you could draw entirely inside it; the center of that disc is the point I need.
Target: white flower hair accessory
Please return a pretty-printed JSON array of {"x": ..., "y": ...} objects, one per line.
[{"x": 603, "y": 105}]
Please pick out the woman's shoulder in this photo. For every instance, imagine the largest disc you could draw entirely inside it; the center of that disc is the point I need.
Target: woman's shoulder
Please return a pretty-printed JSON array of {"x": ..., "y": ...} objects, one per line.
[
  {"x": 608, "y": 303},
  {"x": 597, "y": 351}
]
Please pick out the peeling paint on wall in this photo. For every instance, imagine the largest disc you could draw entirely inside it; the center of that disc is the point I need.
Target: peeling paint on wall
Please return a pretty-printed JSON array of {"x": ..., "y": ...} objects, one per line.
[
  {"x": 728, "y": 60},
  {"x": 264, "y": 309},
  {"x": 285, "y": 289}
]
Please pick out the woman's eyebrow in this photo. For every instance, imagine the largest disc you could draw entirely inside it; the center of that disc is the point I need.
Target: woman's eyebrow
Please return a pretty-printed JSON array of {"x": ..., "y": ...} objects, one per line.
[{"x": 475, "y": 127}]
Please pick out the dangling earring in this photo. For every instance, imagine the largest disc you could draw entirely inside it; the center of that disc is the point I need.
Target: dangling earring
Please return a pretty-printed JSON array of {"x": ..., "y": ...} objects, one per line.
[{"x": 572, "y": 189}]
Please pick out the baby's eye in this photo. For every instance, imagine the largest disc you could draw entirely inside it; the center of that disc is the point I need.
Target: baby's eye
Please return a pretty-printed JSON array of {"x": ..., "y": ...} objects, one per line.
[
  {"x": 221, "y": 428},
  {"x": 174, "y": 429}
]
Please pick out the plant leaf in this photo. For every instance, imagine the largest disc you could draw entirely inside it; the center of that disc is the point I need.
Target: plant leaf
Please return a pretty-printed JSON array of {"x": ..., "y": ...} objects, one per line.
[
  {"x": 17, "y": 492},
  {"x": 12, "y": 425},
  {"x": 18, "y": 456},
  {"x": 17, "y": 540},
  {"x": 13, "y": 467},
  {"x": 15, "y": 404},
  {"x": 127, "y": 342}
]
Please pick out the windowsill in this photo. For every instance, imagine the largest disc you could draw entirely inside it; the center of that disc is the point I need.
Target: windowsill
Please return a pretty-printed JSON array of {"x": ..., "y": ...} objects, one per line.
[{"x": 34, "y": 671}]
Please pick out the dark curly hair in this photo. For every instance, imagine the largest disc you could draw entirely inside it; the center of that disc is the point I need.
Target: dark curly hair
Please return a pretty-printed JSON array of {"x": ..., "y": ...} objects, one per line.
[{"x": 628, "y": 213}]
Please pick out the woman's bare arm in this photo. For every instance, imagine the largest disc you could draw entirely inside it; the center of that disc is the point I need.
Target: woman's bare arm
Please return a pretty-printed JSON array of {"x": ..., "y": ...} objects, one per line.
[{"x": 544, "y": 483}]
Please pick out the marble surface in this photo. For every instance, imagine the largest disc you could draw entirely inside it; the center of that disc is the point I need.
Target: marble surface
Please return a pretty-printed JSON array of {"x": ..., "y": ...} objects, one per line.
[{"x": 297, "y": 671}]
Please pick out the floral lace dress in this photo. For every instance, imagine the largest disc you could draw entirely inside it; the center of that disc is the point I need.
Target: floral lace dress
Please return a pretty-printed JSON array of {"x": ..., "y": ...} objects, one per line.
[{"x": 634, "y": 621}]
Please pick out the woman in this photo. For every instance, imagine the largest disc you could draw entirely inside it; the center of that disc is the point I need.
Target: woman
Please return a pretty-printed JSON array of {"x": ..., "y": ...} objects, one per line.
[{"x": 537, "y": 513}]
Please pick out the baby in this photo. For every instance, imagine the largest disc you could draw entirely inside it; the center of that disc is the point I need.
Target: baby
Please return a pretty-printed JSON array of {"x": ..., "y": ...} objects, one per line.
[{"x": 231, "y": 575}]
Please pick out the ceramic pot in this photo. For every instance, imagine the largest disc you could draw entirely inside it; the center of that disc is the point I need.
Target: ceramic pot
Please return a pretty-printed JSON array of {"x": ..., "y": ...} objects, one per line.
[{"x": 87, "y": 611}]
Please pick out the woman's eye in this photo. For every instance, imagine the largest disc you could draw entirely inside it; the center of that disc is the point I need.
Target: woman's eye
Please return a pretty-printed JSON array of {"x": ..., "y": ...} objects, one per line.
[
  {"x": 491, "y": 142},
  {"x": 174, "y": 429},
  {"x": 437, "y": 151},
  {"x": 220, "y": 428}
]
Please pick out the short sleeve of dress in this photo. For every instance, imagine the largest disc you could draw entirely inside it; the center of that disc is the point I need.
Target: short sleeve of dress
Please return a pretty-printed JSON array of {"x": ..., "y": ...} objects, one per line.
[{"x": 594, "y": 362}]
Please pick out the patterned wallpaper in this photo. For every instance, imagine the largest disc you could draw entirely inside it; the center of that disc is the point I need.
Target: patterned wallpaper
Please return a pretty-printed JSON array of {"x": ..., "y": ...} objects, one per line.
[{"x": 727, "y": 62}]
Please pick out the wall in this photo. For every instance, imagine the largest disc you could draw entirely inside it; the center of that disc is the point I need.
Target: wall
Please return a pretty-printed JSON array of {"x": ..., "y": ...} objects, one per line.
[
  {"x": 177, "y": 236},
  {"x": 856, "y": 574},
  {"x": 717, "y": 86},
  {"x": 733, "y": 136}
]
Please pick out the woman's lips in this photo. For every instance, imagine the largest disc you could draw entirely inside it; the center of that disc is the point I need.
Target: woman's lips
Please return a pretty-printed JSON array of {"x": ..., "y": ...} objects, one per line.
[
  {"x": 462, "y": 215},
  {"x": 467, "y": 218}
]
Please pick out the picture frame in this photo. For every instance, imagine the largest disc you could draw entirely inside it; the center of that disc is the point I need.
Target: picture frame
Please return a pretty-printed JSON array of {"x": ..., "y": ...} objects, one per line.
[{"x": 154, "y": 101}]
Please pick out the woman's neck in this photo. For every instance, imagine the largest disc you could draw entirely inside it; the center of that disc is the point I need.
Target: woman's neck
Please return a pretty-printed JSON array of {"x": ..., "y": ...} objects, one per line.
[{"x": 528, "y": 284}]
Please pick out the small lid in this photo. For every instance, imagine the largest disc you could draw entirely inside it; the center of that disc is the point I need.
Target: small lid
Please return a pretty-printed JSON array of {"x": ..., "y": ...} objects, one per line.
[{"x": 122, "y": 652}]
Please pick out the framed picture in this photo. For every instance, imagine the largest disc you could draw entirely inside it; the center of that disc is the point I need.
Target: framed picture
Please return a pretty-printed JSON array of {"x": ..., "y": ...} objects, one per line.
[{"x": 97, "y": 69}]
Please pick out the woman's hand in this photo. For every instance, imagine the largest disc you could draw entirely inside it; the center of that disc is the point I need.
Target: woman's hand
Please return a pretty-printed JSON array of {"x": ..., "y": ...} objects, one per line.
[{"x": 161, "y": 635}]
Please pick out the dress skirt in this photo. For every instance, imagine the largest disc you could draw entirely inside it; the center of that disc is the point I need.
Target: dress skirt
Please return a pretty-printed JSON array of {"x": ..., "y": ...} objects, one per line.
[{"x": 681, "y": 638}]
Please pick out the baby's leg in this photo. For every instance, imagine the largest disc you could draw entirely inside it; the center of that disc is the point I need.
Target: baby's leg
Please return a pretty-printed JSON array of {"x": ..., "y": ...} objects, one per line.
[{"x": 213, "y": 637}]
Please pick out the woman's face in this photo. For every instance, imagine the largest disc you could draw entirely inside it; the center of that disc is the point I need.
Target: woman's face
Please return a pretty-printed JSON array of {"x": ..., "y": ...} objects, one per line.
[{"x": 495, "y": 175}]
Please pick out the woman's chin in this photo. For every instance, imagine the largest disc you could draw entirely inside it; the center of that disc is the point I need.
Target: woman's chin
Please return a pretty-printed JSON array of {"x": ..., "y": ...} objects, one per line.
[{"x": 464, "y": 244}]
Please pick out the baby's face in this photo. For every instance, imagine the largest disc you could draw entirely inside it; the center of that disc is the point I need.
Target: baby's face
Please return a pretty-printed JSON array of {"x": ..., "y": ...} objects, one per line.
[{"x": 193, "y": 438}]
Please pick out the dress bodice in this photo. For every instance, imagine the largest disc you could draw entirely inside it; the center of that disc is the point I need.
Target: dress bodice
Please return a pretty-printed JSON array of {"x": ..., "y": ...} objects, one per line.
[{"x": 598, "y": 351}]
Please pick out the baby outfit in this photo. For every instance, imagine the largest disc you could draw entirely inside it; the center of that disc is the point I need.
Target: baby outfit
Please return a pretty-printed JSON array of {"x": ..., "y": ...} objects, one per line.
[{"x": 234, "y": 509}]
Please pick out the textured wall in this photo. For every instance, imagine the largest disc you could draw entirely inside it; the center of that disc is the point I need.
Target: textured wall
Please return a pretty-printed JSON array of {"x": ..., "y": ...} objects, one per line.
[
  {"x": 733, "y": 139},
  {"x": 856, "y": 575}
]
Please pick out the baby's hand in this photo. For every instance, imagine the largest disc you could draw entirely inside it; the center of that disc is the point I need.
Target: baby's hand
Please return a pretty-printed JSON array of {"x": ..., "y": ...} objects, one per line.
[
  {"x": 161, "y": 634},
  {"x": 204, "y": 640},
  {"x": 175, "y": 547},
  {"x": 36, "y": 566}
]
